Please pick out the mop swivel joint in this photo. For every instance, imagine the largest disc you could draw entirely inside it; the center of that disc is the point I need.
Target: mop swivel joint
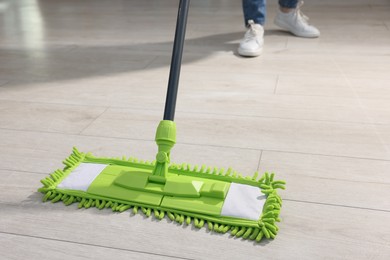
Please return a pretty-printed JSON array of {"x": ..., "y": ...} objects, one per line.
[
  {"x": 162, "y": 157},
  {"x": 165, "y": 139}
]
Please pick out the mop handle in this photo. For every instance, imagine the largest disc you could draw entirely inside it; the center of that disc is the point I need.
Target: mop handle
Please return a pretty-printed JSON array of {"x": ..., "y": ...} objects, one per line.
[{"x": 174, "y": 74}]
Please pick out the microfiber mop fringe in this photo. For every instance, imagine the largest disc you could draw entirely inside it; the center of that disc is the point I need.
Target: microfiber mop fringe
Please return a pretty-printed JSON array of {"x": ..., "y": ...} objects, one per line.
[{"x": 253, "y": 230}]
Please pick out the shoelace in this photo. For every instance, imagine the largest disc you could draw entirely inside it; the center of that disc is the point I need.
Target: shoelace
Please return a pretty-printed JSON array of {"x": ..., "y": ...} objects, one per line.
[
  {"x": 252, "y": 32},
  {"x": 299, "y": 15}
]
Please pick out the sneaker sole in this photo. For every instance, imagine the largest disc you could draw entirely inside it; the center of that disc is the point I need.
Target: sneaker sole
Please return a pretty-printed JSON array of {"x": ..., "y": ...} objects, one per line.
[
  {"x": 285, "y": 27},
  {"x": 245, "y": 53}
]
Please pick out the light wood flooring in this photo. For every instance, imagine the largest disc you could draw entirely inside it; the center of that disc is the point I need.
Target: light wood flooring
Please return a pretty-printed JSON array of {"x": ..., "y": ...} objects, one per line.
[{"x": 93, "y": 74}]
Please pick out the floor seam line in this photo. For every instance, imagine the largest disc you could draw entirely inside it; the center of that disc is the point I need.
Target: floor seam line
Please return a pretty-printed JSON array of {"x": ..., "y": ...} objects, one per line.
[
  {"x": 336, "y": 205},
  {"x": 91, "y": 245}
]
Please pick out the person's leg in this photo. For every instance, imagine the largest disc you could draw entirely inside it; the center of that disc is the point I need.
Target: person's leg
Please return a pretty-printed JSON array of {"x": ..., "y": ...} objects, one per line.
[
  {"x": 290, "y": 18},
  {"x": 254, "y": 10},
  {"x": 254, "y": 14}
]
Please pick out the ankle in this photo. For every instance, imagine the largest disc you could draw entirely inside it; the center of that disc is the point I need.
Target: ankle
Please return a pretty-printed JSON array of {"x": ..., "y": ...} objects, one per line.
[{"x": 285, "y": 10}]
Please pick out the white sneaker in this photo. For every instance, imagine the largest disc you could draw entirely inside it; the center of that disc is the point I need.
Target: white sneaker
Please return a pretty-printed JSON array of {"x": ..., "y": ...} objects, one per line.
[
  {"x": 296, "y": 23},
  {"x": 252, "y": 43}
]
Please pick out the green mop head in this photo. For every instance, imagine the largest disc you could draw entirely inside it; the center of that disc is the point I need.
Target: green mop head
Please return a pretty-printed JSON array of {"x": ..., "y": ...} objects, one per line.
[{"x": 248, "y": 207}]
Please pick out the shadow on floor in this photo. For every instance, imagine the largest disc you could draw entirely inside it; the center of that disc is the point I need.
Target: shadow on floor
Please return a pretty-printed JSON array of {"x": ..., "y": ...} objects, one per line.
[{"x": 71, "y": 61}]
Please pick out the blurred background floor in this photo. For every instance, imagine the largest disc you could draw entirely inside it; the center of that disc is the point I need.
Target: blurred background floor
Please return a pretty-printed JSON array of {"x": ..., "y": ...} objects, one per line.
[{"x": 93, "y": 74}]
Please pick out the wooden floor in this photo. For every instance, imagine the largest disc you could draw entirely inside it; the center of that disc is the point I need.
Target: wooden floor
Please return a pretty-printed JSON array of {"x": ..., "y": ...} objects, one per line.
[{"x": 93, "y": 74}]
